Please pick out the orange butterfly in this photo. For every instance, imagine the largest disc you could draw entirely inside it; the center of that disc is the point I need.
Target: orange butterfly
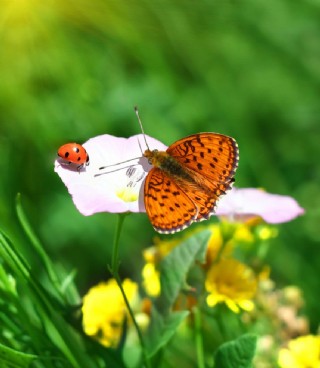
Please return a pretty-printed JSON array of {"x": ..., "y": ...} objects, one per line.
[{"x": 187, "y": 179}]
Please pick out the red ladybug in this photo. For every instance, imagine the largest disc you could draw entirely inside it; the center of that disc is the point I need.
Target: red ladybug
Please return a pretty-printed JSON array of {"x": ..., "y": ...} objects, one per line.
[{"x": 73, "y": 154}]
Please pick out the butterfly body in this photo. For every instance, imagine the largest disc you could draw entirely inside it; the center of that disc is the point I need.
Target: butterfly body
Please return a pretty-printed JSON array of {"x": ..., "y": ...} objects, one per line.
[
  {"x": 187, "y": 180},
  {"x": 168, "y": 164}
]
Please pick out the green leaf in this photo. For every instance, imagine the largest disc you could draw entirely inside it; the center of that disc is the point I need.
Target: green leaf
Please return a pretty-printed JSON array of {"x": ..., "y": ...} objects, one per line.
[
  {"x": 61, "y": 334},
  {"x": 174, "y": 269},
  {"x": 37, "y": 246},
  {"x": 175, "y": 266},
  {"x": 14, "y": 359},
  {"x": 15, "y": 260},
  {"x": 237, "y": 353},
  {"x": 163, "y": 328}
]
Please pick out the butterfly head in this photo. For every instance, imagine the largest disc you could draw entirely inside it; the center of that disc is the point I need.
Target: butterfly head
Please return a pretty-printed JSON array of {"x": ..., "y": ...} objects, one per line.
[{"x": 155, "y": 157}]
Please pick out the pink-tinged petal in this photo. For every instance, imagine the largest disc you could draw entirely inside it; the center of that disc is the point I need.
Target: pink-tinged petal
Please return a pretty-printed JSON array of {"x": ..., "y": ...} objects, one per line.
[
  {"x": 273, "y": 208},
  {"x": 116, "y": 188}
]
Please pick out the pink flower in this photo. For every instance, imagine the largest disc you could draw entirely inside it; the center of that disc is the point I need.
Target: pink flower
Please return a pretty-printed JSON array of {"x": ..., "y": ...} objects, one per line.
[
  {"x": 249, "y": 202},
  {"x": 116, "y": 188}
]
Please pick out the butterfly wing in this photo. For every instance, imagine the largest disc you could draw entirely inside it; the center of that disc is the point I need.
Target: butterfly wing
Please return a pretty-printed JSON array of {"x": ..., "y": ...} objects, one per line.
[
  {"x": 211, "y": 159},
  {"x": 169, "y": 208},
  {"x": 205, "y": 201}
]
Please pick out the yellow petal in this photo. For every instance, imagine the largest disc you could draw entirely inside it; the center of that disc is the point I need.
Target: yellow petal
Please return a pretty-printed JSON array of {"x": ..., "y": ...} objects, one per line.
[
  {"x": 232, "y": 305},
  {"x": 212, "y": 300},
  {"x": 287, "y": 360},
  {"x": 246, "y": 305}
]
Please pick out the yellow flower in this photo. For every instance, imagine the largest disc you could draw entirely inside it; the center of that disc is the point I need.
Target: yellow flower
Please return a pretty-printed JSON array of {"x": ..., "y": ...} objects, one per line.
[
  {"x": 104, "y": 310},
  {"x": 153, "y": 256},
  {"x": 151, "y": 279},
  {"x": 232, "y": 283},
  {"x": 264, "y": 274},
  {"x": 243, "y": 233},
  {"x": 266, "y": 232},
  {"x": 303, "y": 352},
  {"x": 161, "y": 248},
  {"x": 216, "y": 245},
  {"x": 293, "y": 296}
]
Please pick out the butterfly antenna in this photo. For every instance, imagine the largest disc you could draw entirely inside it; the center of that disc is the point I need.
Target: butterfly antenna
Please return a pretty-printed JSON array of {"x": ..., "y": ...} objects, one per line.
[
  {"x": 141, "y": 127},
  {"x": 119, "y": 163},
  {"x": 140, "y": 147}
]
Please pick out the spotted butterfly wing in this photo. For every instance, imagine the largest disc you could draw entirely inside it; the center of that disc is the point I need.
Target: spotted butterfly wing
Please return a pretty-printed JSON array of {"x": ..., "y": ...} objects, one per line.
[
  {"x": 169, "y": 208},
  {"x": 212, "y": 160}
]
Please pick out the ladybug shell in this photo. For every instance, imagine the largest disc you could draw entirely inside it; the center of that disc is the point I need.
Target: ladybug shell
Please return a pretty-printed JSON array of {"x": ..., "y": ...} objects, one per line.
[{"x": 74, "y": 153}]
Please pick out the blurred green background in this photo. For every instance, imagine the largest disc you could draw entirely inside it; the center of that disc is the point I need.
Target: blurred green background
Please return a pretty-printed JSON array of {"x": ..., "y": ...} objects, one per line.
[{"x": 71, "y": 70}]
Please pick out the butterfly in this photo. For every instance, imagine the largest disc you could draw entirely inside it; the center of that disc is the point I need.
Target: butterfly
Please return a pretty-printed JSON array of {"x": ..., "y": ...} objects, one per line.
[{"x": 187, "y": 180}]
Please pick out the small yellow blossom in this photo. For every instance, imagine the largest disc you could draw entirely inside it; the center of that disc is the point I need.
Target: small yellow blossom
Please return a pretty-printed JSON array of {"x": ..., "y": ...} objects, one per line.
[
  {"x": 293, "y": 295},
  {"x": 216, "y": 245},
  {"x": 243, "y": 234},
  {"x": 232, "y": 283},
  {"x": 266, "y": 232},
  {"x": 104, "y": 310},
  {"x": 151, "y": 279},
  {"x": 264, "y": 274},
  {"x": 161, "y": 248},
  {"x": 303, "y": 352},
  {"x": 215, "y": 241}
]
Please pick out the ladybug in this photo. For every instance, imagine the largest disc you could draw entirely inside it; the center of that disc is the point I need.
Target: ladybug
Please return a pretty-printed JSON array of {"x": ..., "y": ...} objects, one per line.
[{"x": 74, "y": 154}]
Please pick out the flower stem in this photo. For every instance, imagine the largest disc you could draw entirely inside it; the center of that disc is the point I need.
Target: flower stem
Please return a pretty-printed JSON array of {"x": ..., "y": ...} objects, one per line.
[
  {"x": 198, "y": 337},
  {"x": 115, "y": 249},
  {"x": 114, "y": 271}
]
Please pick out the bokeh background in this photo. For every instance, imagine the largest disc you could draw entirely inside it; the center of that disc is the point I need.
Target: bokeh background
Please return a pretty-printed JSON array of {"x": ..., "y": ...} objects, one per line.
[{"x": 71, "y": 70}]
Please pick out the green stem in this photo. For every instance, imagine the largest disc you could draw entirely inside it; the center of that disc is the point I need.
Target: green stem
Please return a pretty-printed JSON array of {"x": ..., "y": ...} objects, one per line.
[
  {"x": 221, "y": 311},
  {"x": 198, "y": 337},
  {"x": 114, "y": 271},
  {"x": 115, "y": 249}
]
